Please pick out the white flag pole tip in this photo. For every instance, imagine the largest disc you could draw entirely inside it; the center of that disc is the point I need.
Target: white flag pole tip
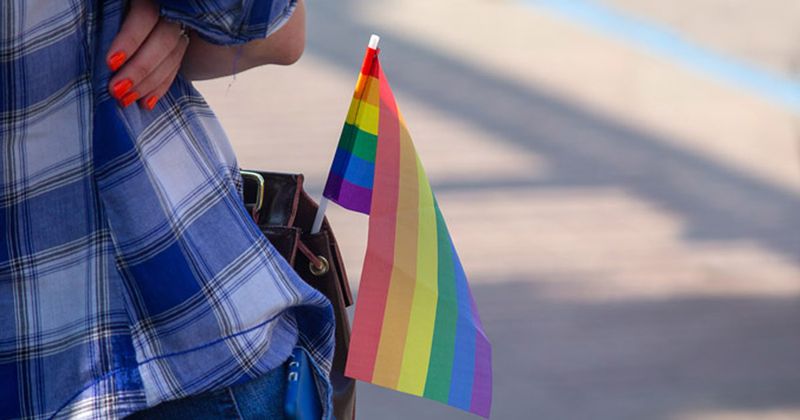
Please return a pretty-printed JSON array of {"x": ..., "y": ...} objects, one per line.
[{"x": 373, "y": 41}]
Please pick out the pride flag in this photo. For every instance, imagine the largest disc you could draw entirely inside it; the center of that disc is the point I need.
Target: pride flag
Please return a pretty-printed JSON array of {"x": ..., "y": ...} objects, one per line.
[
  {"x": 352, "y": 173},
  {"x": 416, "y": 327}
]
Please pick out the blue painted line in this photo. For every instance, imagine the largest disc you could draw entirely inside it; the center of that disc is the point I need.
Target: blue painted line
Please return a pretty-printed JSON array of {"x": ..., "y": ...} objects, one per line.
[{"x": 775, "y": 88}]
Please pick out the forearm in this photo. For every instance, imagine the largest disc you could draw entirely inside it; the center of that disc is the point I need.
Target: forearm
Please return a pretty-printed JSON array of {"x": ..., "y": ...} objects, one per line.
[{"x": 204, "y": 60}]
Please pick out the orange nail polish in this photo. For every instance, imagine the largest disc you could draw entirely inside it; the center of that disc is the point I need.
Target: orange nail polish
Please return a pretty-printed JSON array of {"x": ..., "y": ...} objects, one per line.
[
  {"x": 121, "y": 88},
  {"x": 150, "y": 103},
  {"x": 129, "y": 99},
  {"x": 116, "y": 60}
]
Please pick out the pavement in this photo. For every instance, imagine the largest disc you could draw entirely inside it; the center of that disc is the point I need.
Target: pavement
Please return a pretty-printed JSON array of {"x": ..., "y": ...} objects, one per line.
[{"x": 629, "y": 222}]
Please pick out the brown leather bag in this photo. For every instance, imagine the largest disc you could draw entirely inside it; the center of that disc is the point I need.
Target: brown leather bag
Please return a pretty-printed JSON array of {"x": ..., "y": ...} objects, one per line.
[{"x": 284, "y": 212}]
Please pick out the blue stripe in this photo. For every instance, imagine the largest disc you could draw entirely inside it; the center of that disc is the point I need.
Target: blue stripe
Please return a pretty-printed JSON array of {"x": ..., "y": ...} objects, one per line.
[
  {"x": 775, "y": 88},
  {"x": 353, "y": 169},
  {"x": 464, "y": 360}
]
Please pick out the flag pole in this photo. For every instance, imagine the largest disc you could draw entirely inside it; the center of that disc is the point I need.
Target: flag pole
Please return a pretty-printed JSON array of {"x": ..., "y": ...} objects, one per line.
[
  {"x": 323, "y": 205},
  {"x": 323, "y": 202}
]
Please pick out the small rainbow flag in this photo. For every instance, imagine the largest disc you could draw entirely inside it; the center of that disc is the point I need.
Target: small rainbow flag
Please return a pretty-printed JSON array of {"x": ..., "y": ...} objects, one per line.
[
  {"x": 416, "y": 327},
  {"x": 352, "y": 173}
]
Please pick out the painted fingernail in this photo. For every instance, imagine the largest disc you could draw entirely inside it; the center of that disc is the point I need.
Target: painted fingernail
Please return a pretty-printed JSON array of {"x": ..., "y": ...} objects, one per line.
[
  {"x": 119, "y": 89},
  {"x": 116, "y": 60},
  {"x": 129, "y": 99},
  {"x": 150, "y": 103}
]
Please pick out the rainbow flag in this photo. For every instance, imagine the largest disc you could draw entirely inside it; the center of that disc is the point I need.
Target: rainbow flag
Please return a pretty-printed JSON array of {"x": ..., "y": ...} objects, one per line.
[{"x": 416, "y": 327}]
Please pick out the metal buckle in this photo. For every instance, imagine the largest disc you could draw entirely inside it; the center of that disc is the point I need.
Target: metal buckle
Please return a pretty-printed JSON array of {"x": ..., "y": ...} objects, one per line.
[
  {"x": 321, "y": 269},
  {"x": 262, "y": 187}
]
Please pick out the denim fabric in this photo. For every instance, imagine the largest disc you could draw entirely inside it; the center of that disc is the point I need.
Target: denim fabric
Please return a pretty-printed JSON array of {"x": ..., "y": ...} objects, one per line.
[{"x": 261, "y": 398}]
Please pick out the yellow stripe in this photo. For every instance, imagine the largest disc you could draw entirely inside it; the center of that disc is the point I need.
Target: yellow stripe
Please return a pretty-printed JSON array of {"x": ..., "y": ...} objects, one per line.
[
  {"x": 364, "y": 116},
  {"x": 365, "y": 106},
  {"x": 389, "y": 359},
  {"x": 417, "y": 352}
]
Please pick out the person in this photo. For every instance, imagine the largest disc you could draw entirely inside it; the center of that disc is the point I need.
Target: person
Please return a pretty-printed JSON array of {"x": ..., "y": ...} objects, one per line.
[{"x": 132, "y": 281}]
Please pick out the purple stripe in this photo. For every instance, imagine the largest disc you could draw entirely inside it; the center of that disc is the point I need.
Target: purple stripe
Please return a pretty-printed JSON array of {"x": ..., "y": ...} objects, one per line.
[
  {"x": 348, "y": 195},
  {"x": 482, "y": 383}
]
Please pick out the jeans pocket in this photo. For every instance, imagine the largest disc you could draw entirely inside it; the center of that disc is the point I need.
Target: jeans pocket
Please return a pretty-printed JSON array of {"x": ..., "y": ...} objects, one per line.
[
  {"x": 212, "y": 405},
  {"x": 263, "y": 397}
]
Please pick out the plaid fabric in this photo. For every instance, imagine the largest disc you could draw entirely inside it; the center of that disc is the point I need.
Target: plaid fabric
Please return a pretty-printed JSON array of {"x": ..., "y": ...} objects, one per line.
[{"x": 130, "y": 272}]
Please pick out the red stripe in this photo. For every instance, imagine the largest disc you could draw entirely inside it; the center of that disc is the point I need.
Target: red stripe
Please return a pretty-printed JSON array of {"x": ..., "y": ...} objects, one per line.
[
  {"x": 370, "y": 65},
  {"x": 379, "y": 258}
]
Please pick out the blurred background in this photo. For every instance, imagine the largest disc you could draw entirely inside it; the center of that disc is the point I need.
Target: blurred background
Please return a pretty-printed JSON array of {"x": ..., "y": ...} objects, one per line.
[{"x": 621, "y": 179}]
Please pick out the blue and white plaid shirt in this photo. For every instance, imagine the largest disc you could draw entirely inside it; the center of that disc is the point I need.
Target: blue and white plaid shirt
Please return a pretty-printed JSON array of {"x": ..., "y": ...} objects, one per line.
[{"x": 130, "y": 272}]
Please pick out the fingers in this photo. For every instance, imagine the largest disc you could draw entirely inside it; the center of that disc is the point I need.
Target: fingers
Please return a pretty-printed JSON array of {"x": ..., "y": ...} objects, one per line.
[
  {"x": 149, "y": 101},
  {"x": 146, "y": 55},
  {"x": 140, "y": 20},
  {"x": 163, "y": 78},
  {"x": 163, "y": 39},
  {"x": 156, "y": 56},
  {"x": 167, "y": 67}
]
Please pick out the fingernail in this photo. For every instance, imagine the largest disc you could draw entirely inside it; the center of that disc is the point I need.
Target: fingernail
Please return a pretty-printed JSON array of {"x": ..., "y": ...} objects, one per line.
[
  {"x": 150, "y": 103},
  {"x": 116, "y": 60},
  {"x": 129, "y": 99},
  {"x": 121, "y": 88}
]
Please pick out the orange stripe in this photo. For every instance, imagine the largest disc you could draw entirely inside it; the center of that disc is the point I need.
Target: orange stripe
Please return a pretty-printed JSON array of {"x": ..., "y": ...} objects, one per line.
[
  {"x": 368, "y": 90},
  {"x": 401, "y": 290}
]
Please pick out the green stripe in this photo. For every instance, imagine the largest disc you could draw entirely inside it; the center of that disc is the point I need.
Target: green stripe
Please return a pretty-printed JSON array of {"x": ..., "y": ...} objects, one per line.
[
  {"x": 437, "y": 385},
  {"x": 359, "y": 143}
]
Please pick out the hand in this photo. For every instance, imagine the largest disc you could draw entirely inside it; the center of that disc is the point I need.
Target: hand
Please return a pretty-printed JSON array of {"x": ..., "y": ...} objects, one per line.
[
  {"x": 146, "y": 55},
  {"x": 204, "y": 60}
]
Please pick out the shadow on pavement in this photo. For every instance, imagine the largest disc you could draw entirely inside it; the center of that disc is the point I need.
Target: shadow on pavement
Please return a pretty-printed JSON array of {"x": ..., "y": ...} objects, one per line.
[
  {"x": 583, "y": 148},
  {"x": 625, "y": 359},
  {"x": 654, "y": 359}
]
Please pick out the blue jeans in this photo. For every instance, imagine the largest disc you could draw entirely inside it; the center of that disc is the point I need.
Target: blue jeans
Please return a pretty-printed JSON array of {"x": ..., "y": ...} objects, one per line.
[{"x": 261, "y": 398}]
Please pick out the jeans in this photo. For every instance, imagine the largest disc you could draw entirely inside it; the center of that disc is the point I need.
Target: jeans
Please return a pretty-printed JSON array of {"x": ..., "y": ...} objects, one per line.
[{"x": 261, "y": 398}]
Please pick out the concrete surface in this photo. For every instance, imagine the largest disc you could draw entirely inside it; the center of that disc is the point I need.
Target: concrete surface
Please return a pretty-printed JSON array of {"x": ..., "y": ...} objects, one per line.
[
  {"x": 764, "y": 32},
  {"x": 631, "y": 228}
]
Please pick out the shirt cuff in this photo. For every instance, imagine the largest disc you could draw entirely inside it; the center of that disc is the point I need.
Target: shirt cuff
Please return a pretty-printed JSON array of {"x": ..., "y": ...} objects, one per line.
[{"x": 229, "y": 22}]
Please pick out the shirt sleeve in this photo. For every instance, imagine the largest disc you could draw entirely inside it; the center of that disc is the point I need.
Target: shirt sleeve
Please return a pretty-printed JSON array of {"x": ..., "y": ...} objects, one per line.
[{"x": 230, "y": 22}]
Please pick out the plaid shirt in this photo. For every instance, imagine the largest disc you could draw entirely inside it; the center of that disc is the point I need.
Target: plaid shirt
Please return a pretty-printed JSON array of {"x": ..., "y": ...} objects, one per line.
[{"x": 130, "y": 272}]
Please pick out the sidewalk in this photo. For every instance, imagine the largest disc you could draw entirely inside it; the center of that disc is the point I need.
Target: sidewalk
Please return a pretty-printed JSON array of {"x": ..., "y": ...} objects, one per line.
[{"x": 631, "y": 228}]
